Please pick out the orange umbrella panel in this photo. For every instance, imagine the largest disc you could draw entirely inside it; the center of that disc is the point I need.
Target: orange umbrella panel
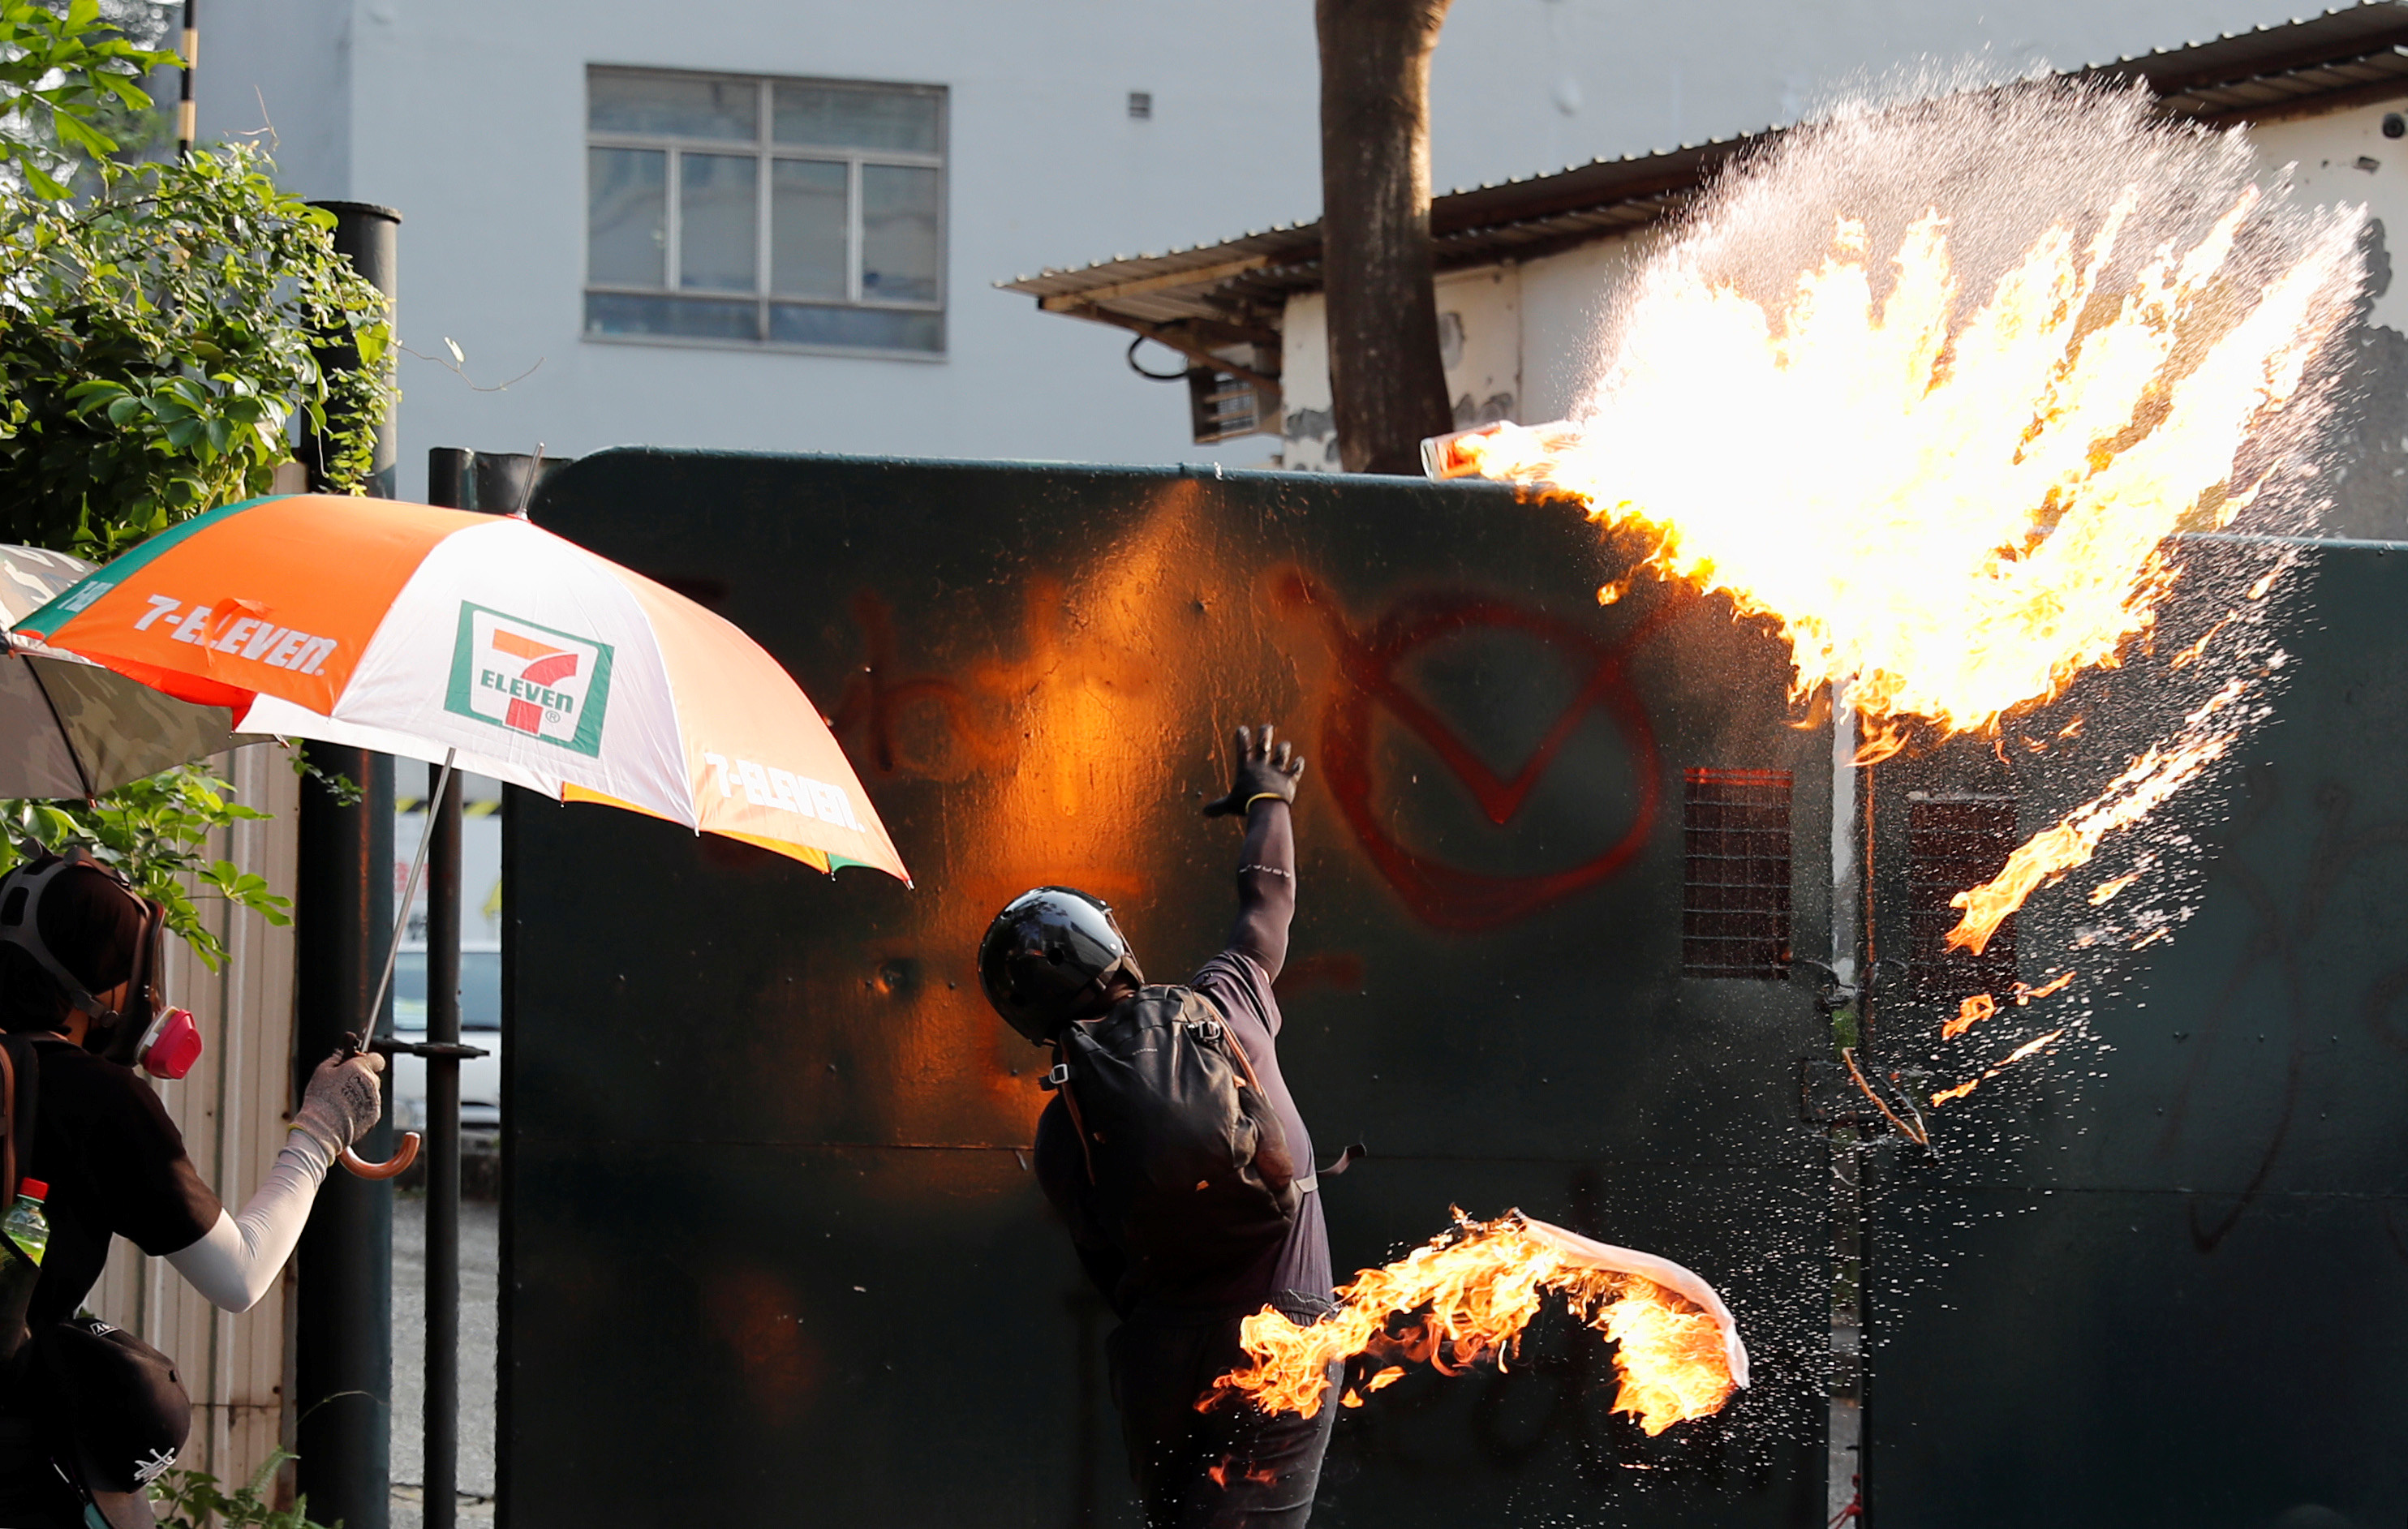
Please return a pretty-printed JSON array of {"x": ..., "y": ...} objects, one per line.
[{"x": 426, "y": 631}]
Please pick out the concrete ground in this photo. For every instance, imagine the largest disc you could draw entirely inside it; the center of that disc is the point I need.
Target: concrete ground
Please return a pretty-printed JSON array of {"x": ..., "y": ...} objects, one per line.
[{"x": 480, "y": 1334}]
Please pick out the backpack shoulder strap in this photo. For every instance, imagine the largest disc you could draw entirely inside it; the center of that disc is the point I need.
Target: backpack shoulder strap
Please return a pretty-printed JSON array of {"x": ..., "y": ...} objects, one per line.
[
  {"x": 1195, "y": 1000},
  {"x": 20, "y": 1075},
  {"x": 1059, "y": 1080}
]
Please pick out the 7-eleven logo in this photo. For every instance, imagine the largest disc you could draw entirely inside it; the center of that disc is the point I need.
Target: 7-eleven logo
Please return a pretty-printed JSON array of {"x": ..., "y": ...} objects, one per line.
[{"x": 529, "y": 679}]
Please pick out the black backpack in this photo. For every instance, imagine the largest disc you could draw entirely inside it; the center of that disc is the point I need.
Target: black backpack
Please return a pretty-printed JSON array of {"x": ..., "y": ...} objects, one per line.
[
  {"x": 21, "y": 1088},
  {"x": 1189, "y": 1168}
]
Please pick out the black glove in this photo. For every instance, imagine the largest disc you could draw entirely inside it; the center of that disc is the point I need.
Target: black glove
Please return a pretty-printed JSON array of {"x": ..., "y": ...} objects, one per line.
[{"x": 1261, "y": 772}]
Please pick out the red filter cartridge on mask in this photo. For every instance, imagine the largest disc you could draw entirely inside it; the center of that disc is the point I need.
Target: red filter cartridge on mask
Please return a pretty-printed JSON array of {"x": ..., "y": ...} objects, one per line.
[{"x": 173, "y": 1045}]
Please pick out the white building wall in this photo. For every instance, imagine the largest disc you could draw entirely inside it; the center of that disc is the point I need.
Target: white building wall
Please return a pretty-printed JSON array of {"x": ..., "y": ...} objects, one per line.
[
  {"x": 1525, "y": 86},
  {"x": 470, "y": 118},
  {"x": 2345, "y": 158}
]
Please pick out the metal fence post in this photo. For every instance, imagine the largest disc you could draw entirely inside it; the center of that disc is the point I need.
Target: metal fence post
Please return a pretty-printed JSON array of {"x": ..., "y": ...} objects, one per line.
[
  {"x": 442, "y": 1469},
  {"x": 343, "y": 1326},
  {"x": 448, "y": 483}
]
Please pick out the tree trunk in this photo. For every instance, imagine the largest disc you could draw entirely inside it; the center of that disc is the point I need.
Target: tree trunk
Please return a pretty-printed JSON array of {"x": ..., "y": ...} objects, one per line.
[{"x": 1385, "y": 378}]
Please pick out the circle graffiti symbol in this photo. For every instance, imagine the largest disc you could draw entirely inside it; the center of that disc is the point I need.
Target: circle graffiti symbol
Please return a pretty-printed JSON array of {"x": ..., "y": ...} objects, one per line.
[{"x": 1368, "y": 682}]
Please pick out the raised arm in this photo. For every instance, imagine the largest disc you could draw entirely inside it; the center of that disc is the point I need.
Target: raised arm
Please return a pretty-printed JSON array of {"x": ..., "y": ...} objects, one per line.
[{"x": 1265, "y": 787}]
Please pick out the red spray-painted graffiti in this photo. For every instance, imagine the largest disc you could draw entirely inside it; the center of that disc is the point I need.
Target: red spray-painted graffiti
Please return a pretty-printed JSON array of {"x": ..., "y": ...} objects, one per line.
[{"x": 1369, "y": 680}]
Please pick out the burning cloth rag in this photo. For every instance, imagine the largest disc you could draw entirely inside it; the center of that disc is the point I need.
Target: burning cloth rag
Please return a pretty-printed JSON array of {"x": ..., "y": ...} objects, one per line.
[{"x": 1663, "y": 1271}]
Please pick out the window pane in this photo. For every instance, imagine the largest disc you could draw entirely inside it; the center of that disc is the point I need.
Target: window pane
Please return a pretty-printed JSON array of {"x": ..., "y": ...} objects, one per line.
[
  {"x": 695, "y": 317},
  {"x": 481, "y": 989},
  {"x": 807, "y": 232},
  {"x": 626, "y": 217},
  {"x": 870, "y": 328},
  {"x": 898, "y": 233},
  {"x": 686, "y": 105},
  {"x": 409, "y": 991},
  {"x": 717, "y": 219},
  {"x": 855, "y": 119}
]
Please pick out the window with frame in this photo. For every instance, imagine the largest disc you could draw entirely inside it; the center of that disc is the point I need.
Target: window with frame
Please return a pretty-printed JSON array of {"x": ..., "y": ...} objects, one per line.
[{"x": 741, "y": 210}]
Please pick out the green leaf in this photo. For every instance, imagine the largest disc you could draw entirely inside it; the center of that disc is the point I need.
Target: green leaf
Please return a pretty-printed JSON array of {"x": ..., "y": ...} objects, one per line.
[{"x": 82, "y": 135}]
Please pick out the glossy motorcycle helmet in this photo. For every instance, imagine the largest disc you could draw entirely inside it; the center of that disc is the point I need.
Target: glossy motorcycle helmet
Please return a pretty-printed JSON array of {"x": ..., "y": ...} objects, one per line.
[
  {"x": 1047, "y": 955},
  {"x": 164, "y": 1043}
]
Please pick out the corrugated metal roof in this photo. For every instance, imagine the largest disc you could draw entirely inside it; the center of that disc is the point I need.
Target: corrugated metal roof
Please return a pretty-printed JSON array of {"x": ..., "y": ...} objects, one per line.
[{"x": 1233, "y": 292}]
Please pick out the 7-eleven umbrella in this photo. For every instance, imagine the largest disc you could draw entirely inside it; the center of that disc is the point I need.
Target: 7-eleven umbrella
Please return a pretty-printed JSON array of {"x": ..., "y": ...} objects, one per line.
[{"x": 446, "y": 635}]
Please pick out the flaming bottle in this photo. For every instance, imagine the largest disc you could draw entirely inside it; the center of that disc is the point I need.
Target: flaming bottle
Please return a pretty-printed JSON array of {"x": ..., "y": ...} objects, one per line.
[{"x": 1482, "y": 451}]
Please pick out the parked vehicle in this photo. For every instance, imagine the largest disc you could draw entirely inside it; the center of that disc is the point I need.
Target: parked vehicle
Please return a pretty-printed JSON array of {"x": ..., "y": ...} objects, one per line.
[{"x": 480, "y": 1024}]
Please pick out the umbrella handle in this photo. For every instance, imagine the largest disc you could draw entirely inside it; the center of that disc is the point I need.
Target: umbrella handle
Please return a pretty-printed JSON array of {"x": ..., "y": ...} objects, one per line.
[{"x": 393, "y": 1167}]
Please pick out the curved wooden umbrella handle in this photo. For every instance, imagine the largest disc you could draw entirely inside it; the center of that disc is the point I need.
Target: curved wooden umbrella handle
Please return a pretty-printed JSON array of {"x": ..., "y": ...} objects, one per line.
[{"x": 395, "y": 1166}]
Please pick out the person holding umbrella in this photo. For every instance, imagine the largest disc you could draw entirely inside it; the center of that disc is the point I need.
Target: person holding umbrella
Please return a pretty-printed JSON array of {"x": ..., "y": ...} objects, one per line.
[
  {"x": 88, "y": 1414},
  {"x": 475, "y": 642},
  {"x": 1158, "y": 1089}
]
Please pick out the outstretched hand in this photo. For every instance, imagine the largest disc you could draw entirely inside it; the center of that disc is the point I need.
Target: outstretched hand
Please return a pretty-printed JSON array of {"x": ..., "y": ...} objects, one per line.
[
  {"x": 342, "y": 1101},
  {"x": 1262, "y": 771}
]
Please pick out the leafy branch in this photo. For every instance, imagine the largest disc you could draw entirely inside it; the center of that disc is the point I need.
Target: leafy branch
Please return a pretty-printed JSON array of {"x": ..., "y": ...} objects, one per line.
[
  {"x": 160, "y": 343},
  {"x": 62, "y": 72},
  {"x": 157, "y": 833},
  {"x": 166, "y": 332},
  {"x": 187, "y": 1499}
]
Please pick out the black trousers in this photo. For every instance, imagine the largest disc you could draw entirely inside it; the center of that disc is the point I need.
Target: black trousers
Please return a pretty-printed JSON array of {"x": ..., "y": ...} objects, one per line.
[{"x": 1233, "y": 1467}]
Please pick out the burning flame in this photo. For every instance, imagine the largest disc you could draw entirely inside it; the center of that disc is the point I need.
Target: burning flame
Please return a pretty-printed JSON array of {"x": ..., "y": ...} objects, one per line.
[
  {"x": 1981, "y": 1005},
  {"x": 1970, "y": 1013},
  {"x": 1468, "y": 1293},
  {"x": 2059, "y": 983},
  {"x": 2131, "y": 796},
  {"x": 2026, "y": 1048},
  {"x": 2100, "y": 893},
  {"x": 1954, "y": 513},
  {"x": 1948, "y": 509}
]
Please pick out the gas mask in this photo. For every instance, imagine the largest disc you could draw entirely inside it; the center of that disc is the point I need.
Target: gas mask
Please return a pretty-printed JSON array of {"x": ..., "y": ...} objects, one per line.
[{"x": 165, "y": 1043}]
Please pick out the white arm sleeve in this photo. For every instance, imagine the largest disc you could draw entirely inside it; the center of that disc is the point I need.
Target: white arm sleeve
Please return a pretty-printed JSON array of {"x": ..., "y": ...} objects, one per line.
[{"x": 237, "y": 1259}]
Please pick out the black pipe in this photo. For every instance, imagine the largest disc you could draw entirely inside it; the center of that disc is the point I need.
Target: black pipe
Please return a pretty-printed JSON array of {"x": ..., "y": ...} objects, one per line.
[
  {"x": 343, "y": 1326},
  {"x": 496, "y": 482},
  {"x": 451, "y": 481},
  {"x": 369, "y": 236},
  {"x": 343, "y": 916},
  {"x": 442, "y": 1437},
  {"x": 187, "y": 111}
]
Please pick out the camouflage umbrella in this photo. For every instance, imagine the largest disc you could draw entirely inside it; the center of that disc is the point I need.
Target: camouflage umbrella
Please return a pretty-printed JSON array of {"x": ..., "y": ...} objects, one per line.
[{"x": 69, "y": 728}]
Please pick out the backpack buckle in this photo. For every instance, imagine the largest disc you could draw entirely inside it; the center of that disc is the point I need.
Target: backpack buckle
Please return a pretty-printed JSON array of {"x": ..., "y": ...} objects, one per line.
[
  {"x": 1206, "y": 1030},
  {"x": 1056, "y": 1079}
]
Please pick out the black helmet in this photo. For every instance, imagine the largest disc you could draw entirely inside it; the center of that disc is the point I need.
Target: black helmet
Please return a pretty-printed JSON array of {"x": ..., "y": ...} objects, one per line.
[
  {"x": 116, "y": 929},
  {"x": 1044, "y": 954}
]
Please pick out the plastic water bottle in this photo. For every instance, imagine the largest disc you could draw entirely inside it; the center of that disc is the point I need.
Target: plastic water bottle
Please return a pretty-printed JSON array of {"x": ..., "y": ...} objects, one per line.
[
  {"x": 27, "y": 1229},
  {"x": 24, "y": 1237}
]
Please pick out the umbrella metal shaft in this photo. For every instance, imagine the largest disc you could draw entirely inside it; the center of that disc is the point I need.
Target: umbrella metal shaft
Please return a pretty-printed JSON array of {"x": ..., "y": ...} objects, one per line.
[{"x": 409, "y": 892}]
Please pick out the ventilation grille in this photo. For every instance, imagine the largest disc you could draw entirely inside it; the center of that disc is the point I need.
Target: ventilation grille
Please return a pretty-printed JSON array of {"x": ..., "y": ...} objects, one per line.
[
  {"x": 1735, "y": 882},
  {"x": 1954, "y": 843}
]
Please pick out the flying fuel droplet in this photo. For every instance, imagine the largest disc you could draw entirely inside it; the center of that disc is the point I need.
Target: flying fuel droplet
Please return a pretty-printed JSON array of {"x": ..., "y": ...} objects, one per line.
[{"x": 2105, "y": 890}]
